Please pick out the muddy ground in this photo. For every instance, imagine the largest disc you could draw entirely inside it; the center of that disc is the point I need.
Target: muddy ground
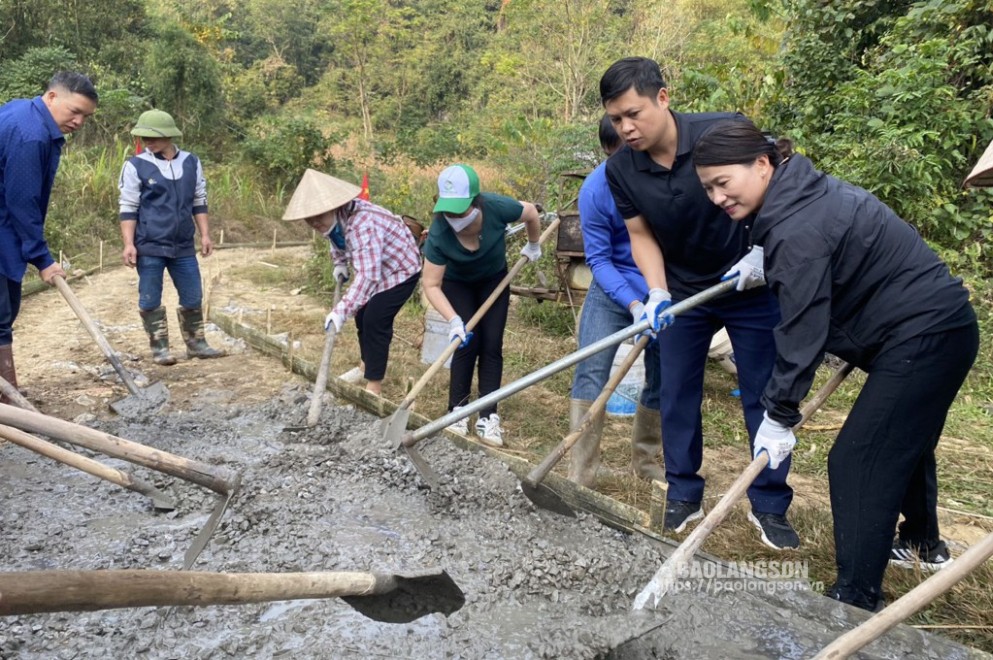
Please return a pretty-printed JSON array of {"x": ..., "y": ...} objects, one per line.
[{"x": 537, "y": 585}]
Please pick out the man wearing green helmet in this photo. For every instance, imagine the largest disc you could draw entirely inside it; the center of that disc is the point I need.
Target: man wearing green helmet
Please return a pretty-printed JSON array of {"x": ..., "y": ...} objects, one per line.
[{"x": 163, "y": 201}]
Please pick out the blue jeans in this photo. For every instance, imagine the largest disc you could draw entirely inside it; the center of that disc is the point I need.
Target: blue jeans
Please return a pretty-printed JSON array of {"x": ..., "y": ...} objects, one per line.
[
  {"x": 185, "y": 275},
  {"x": 749, "y": 319},
  {"x": 600, "y": 318}
]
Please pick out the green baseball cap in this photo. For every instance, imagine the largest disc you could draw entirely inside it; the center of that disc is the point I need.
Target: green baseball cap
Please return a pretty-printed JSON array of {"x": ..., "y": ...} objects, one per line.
[
  {"x": 458, "y": 185},
  {"x": 156, "y": 124}
]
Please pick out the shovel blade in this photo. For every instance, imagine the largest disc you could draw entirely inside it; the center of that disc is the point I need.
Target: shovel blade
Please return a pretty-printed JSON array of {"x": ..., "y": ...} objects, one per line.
[
  {"x": 147, "y": 401},
  {"x": 544, "y": 497},
  {"x": 428, "y": 474},
  {"x": 413, "y": 595},
  {"x": 394, "y": 428}
]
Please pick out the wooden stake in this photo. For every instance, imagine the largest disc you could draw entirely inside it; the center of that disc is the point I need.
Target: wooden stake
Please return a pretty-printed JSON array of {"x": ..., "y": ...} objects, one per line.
[
  {"x": 100, "y": 264},
  {"x": 220, "y": 240},
  {"x": 273, "y": 242}
]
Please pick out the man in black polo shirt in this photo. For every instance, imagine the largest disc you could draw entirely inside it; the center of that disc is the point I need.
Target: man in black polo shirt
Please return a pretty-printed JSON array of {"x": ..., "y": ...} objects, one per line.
[{"x": 683, "y": 244}]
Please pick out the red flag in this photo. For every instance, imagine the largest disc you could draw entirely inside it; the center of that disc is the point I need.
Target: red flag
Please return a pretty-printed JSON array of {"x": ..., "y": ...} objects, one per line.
[
  {"x": 137, "y": 146},
  {"x": 365, "y": 187}
]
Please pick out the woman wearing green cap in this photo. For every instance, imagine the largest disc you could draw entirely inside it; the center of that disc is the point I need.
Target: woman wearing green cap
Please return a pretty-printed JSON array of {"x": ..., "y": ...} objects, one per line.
[
  {"x": 163, "y": 201},
  {"x": 465, "y": 258}
]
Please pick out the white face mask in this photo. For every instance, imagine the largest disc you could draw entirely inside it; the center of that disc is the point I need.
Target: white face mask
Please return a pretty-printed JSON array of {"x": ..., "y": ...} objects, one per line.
[{"x": 458, "y": 224}]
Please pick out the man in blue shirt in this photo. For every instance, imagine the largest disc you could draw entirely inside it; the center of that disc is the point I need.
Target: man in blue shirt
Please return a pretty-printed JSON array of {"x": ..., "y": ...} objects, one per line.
[
  {"x": 613, "y": 302},
  {"x": 32, "y": 132}
]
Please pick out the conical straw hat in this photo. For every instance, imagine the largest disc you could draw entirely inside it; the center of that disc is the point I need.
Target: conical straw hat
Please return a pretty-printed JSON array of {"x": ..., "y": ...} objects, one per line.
[
  {"x": 982, "y": 173},
  {"x": 319, "y": 193}
]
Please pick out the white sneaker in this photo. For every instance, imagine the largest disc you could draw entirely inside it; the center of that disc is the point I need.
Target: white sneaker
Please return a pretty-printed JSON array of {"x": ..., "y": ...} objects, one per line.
[
  {"x": 461, "y": 427},
  {"x": 489, "y": 431},
  {"x": 352, "y": 375}
]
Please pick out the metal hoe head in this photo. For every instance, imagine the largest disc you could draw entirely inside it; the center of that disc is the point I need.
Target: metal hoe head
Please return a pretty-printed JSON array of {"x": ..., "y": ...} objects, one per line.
[
  {"x": 410, "y": 596},
  {"x": 394, "y": 428},
  {"x": 544, "y": 497},
  {"x": 147, "y": 401}
]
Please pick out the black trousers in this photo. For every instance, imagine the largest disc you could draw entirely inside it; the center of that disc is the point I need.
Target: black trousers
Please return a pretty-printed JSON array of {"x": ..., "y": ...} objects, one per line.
[
  {"x": 374, "y": 321},
  {"x": 883, "y": 462},
  {"x": 10, "y": 305},
  {"x": 486, "y": 346}
]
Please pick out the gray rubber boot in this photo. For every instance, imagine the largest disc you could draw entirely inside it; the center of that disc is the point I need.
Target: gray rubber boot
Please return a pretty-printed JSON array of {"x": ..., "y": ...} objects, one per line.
[
  {"x": 191, "y": 322},
  {"x": 7, "y": 370},
  {"x": 584, "y": 458},
  {"x": 646, "y": 443},
  {"x": 157, "y": 328}
]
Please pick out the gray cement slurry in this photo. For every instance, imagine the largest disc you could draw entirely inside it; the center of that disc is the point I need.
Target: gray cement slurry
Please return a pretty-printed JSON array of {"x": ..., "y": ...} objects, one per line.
[{"x": 537, "y": 585}]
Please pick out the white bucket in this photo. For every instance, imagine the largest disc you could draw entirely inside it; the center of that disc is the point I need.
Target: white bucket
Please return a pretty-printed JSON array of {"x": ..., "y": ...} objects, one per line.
[
  {"x": 435, "y": 338},
  {"x": 720, "y": 350},
  {"x": 623, "y": 401}
]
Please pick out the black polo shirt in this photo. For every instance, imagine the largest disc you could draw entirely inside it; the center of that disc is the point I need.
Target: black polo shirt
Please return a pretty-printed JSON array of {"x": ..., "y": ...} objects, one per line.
[{"x": 699, "y": 241}]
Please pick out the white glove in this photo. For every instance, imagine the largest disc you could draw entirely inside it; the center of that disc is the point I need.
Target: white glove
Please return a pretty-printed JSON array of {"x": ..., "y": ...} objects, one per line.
[
  {"x": 751, "y": 270},
  {"x": 456, "y": 330},
  {"x": 340, "y": 273},
  {"x": 334, "y": 319},
  {"x": 532, "y": 251},
  {"x": 774, "y": 439},
  {"x": 638, "y": 311},
  {"x": 658, "y": 301}
]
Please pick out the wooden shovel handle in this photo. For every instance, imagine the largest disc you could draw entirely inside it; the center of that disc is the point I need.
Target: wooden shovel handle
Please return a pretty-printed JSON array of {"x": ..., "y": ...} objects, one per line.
[
  {"x": 91, "y": 327},
  {"x": 910, "y": 603},
  {"x": 596, "y": 409},
  {"x": 72, "y": 459},
  {"x": 684, "y": 553},
  {"x": 216, "y": 479},
  {"x": 321, "y": 382},
  {"x": 56, "y": 591},
  {"x": 485, "y": 307}
]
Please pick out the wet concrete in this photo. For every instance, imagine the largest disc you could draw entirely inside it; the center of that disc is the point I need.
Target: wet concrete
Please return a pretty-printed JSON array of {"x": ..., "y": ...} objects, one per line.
[{"x": 537, "y": 585}]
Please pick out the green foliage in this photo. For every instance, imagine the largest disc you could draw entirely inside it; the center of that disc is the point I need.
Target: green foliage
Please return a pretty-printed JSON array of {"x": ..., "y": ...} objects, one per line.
[
  {"x": 552, "y": 318},
  {"x": 184, "y": 80},
  {"x": 28, "y": 75},
  {"x": 904, "y": 111},
  {"x": 283, "y": 148}
]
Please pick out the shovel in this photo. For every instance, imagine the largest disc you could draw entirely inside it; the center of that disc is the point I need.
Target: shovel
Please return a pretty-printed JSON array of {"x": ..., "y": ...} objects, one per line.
[
  {"x": 321, "y": 382},
  {"x": 911, "y": 602},
  {"x": 141, "y": 401},
  {"x": 396, "y": 424},
  {"x": 668, "y": 573},
  {"x": 387, "y": 597},
  {"x": 531, "y": 485},
  {"x": 410, "y": 439},
  {"x": 88, "y": 465}
]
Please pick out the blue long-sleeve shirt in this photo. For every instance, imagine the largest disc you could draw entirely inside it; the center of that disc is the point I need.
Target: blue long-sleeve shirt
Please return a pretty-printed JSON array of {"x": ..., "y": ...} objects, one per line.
[
  {"x": 607, "y": 242},
  {"x": 30, "y": 148}
]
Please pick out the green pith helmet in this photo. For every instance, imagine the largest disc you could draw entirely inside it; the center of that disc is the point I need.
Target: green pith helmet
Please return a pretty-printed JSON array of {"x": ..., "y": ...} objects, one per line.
[{"x": 156, "y": 124}]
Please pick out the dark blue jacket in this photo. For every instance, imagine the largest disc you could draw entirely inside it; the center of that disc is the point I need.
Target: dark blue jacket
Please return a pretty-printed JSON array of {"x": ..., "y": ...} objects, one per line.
[
  {"x": 30, "y": 148},
  {"x": 163, "y": 196}
]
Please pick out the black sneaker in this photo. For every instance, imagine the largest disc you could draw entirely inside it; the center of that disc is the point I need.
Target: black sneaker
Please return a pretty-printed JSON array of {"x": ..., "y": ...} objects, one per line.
[
  {"x": 930, "y": 557},
  {"x": 777, "y": 532},
  {"x": 679, "y": 514}
]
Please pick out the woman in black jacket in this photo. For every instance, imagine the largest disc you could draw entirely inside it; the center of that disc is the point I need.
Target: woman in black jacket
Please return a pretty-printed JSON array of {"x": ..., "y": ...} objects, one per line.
[{"x": 854, "y": 280}]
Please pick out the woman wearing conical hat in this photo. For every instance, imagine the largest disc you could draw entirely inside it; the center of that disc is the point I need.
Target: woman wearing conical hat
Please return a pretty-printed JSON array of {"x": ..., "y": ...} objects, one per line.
[{"x": 384, "y": 259}]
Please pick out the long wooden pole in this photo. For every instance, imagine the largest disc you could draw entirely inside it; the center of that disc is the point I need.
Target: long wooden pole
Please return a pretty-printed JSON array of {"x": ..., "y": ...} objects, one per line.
[
  {"x": 911, "y": 602},
  {"x": 87, "y": 465},
  {"x": 216, "y": 479},
  {"x": 668, "y": 573}
]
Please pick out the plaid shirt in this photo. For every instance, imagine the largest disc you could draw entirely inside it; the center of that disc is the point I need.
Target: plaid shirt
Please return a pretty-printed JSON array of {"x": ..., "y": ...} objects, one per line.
[{"x": 382, "y": 252}]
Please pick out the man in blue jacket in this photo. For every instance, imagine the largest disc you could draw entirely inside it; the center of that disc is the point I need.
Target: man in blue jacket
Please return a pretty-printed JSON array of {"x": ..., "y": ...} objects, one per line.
[{"x": 32, "y": 132}]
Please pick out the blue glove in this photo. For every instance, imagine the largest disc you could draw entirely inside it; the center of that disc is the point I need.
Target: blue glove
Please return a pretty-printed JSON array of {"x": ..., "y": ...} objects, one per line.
[
  {"x": 659, "y": 300},
  {"x": 750, "y": 270},
  {"x": 774, "y": 439},
  {"x": 456, "y": 330}
]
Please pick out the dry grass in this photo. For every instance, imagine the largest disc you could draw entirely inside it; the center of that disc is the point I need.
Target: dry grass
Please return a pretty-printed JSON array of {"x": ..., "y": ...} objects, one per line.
[{"x": 536, "y": 419}]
